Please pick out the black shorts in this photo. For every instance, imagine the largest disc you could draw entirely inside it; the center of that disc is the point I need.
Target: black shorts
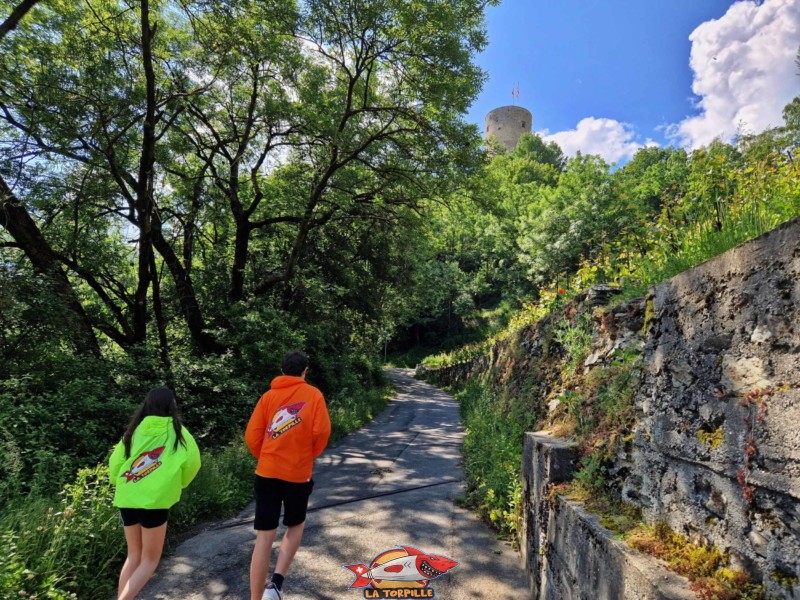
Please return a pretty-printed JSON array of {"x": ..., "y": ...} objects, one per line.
[
  {"x": 272, "y": 493},
  {"x": 146, "y": 517}
]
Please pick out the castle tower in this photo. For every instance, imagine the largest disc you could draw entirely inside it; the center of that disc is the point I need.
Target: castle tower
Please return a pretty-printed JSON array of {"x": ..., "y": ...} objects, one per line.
[{"x": 507, "y": 124}]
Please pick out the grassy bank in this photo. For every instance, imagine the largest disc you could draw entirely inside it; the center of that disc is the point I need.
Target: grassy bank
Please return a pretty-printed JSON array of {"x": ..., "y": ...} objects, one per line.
[{"x": 492, "y": 455}]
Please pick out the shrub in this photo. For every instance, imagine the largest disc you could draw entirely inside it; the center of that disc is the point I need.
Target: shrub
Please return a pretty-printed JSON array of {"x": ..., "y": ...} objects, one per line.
[
  {"x": 72, "y": 547},
  {"x": 349, "y": 409},
  {"x": 492, "y": 454},
  {"x": 63, "y": 416},
  {"x": 223, "y": 486},
  {"x": 576, "y": 338}
]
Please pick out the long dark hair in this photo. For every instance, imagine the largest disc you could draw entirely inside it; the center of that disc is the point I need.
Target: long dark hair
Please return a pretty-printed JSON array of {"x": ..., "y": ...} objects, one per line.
[{"x": 159, "y": 402}]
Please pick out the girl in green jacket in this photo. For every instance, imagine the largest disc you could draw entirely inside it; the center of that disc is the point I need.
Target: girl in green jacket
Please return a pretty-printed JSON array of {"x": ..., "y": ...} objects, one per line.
[{"x": 155, "y": 460}]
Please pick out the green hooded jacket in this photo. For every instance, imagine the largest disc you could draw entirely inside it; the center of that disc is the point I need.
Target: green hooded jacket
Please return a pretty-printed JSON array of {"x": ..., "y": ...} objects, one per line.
[{"x": 155, "y": 473}]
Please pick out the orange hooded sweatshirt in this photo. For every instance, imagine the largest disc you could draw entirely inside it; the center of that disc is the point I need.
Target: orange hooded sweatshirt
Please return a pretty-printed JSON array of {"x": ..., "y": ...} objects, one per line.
[{"x": 289, "y": 428}]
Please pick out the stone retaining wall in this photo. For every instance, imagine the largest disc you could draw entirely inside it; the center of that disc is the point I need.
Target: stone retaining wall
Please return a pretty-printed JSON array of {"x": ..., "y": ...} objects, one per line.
[
  {"x": 567, "y": 553},
  {"x": 716, "y": 452},
  {"x": 716, "y": 447}
]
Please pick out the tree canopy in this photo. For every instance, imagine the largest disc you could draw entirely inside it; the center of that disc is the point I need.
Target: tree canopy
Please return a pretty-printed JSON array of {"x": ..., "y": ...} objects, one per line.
[{"x": 190, "y": 188}]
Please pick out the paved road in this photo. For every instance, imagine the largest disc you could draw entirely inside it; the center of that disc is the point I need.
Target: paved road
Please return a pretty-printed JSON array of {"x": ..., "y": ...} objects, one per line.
[{"x": 393, "y": 482}]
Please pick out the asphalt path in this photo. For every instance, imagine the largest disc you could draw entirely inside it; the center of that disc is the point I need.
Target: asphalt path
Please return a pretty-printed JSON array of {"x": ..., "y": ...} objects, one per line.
[{"x": 392, "y": 483}]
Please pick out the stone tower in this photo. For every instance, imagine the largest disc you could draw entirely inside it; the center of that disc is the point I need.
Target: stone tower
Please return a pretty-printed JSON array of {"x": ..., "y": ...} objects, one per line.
[{"x": 507, "y": 123}]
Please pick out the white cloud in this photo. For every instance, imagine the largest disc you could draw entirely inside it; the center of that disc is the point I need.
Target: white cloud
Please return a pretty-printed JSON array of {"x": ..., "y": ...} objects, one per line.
[
  {"x": 609, "y": 138},
  {"x": 744, "y": 71}
]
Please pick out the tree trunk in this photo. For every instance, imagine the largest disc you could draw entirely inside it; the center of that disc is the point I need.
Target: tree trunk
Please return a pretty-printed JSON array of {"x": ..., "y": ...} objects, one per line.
[
  {"x": 187, "y": 297},
  {"x": 144, "y": 190},
  {"x": 16, "y": 220},
  {"x": 16, "y": 16},
  {"x": 240, "y": 255},
  {"x": 159, "y": 313}
]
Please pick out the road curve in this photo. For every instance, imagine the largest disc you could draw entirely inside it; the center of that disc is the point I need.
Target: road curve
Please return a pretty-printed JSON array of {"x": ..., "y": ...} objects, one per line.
[{"x": 391, "y": 483}]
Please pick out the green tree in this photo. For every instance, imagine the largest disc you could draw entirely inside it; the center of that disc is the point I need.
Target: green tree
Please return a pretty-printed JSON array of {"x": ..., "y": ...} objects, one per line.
[
  {"x": 710, "y": 183},
  {"x": 570, "y": 222},
  {"x": 94, "y": 100},
  {"x": 791, "y": 119},
  {"x": 340, "y": 110}
]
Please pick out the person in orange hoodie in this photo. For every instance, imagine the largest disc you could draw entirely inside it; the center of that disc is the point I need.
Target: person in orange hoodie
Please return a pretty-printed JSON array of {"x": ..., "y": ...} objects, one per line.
[{"x": 289, "y": 428}]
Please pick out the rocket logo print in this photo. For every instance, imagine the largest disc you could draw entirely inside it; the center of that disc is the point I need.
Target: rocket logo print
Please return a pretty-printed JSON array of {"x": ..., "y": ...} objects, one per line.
[
  {"x": 284, "y": 419},
  {"x": 403, "y": 568},
  {"x": 143, "y": 465}
]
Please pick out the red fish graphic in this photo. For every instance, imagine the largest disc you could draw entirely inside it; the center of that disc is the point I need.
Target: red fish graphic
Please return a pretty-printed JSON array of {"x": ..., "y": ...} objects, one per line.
[
  {"x": 144, "y": 464},
  {"x": 415, "y": 566}
]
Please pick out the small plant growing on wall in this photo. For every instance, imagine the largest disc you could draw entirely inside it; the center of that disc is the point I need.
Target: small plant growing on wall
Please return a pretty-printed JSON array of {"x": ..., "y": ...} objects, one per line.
[
  {"x": 576, "y": 338},
  {"x": 710, "y": 437},
  {"x": 755, "y": 405}
]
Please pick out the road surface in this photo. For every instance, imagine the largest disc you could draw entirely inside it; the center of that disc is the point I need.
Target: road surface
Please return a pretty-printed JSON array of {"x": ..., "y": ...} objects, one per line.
[{"x": 394, "y": 482}]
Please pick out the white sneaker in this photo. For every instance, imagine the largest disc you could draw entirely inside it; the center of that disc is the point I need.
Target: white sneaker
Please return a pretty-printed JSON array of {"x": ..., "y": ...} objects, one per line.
[{"x": 272, "y": 593}]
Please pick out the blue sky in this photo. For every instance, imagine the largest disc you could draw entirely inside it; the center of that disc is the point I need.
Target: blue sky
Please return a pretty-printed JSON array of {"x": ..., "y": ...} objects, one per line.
[{"x": 625, "y": 64}]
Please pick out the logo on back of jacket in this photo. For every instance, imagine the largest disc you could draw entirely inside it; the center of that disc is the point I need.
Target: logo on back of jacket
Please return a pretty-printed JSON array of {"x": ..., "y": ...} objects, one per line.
[
  {"x": 403, "y": 572},
  {"x": 284, "y": 419},
  {"x": 143, "y": 465}
]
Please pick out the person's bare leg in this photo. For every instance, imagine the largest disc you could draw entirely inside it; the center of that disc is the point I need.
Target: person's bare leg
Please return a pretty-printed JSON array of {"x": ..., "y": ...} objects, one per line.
[
  {"x": 259, "y": 563},
  {"x": 289, "y": 545},
  {"x": 133, "y": 538},
  {"x": 152, "y": 547}
]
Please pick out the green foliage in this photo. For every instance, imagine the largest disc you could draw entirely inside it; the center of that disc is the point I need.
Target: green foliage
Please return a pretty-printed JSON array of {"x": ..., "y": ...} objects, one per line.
[
  {"x": 64, "y": 414},
  {"x": 280, "y": 195},
  {"x": 791, "y": 117},
  {"x": 576, "y": 339},
  {"x": 592, "y": 473},
  {"x": 563, "y": 225},
  {"x": 216, "y": 394},
  {"x": 663, "y": 212},
  {"x": 459, "y": 355},
  {"x": 409, "y": 358},
  {"x": 72, "y": 546},
  {"x": 222, "y": 487},
  {"x": 492, "y": 453},
  {"x": 350, "y": 409},
  {"x": 16, "y": 579},
  {"x": 601, "y": 415},
  {"x": 707, "y": 240},
  {"x": 500, "y": 323},
  {"x": 532, "y": 221}
]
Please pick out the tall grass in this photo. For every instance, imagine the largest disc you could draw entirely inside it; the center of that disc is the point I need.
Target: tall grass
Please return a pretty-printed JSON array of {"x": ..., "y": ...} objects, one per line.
[
  {"x": 492, "y": 455},
  {"x": 707, "y": 240},
  {"x": 70, "y": 549}
]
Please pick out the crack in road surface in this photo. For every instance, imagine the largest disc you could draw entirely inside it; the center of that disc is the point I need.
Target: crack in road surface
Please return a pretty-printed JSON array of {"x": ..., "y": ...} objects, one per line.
[{"x": 238, "y": 522}]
